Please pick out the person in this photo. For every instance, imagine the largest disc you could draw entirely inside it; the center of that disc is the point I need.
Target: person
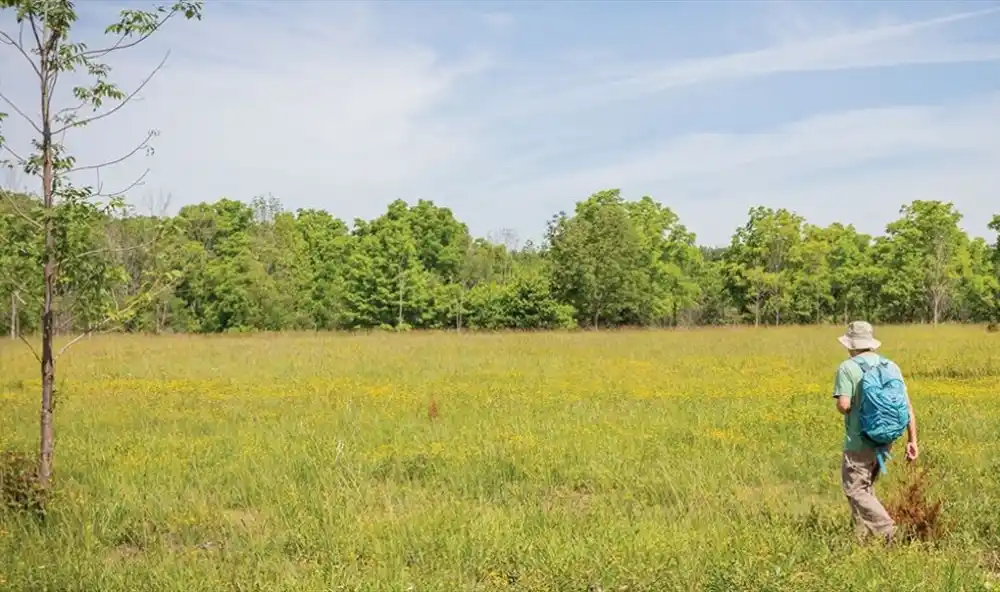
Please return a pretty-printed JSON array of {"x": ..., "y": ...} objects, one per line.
[{"x": 860, "y": 468}]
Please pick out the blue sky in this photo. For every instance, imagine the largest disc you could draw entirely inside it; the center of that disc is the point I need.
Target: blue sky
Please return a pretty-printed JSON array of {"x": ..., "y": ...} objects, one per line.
[{"x": 508, "y": 112}]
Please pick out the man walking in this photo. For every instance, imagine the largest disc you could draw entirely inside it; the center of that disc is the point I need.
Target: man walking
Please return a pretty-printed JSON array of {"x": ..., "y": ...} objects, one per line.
[{"x": 860, "y": 466}]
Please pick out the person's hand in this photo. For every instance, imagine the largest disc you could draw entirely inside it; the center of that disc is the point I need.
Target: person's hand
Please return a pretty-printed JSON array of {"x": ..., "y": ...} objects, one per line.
[{"x": 912, "y": 451}]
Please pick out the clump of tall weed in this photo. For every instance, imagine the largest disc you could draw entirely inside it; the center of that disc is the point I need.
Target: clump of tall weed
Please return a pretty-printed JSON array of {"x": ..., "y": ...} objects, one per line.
[
  {"x": 917, "y": 516},
  {"x": 19, "y": 487}
]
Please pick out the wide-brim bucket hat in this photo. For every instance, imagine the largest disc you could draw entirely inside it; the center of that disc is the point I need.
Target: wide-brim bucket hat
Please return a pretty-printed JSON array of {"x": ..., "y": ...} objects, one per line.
[{"x": 859, "y": 335}]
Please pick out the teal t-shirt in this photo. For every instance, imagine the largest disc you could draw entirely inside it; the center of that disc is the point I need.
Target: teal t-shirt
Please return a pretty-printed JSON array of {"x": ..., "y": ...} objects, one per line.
[{"x": 846, "y": 383}]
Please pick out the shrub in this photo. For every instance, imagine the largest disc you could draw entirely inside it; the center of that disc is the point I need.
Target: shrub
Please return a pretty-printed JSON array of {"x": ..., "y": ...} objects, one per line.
[
  {"x": 916, "y": 516},
  {"x": 19, "y": 487}
]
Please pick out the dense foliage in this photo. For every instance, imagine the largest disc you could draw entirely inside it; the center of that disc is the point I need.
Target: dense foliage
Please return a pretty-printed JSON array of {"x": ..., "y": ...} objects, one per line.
[{"x": 231, "y": 266}]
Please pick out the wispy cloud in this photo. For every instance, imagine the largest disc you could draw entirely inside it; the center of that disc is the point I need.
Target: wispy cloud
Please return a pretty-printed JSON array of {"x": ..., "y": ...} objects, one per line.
[
  {"x": 856, "y": 166},
  {"x": 498, "y": 20},
  {"x": 810, "y": 50},
  {"x": 252, "y": 102}
]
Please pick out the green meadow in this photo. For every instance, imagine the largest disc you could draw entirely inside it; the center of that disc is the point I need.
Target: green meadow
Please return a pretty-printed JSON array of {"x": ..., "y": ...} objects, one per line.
[{"x": 660, "y": 460}]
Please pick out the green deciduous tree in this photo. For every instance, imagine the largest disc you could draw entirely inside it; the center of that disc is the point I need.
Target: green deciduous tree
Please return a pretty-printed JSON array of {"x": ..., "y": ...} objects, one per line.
[
  {"x": 762, "y": 261},
  {"x": 994, "y": 310},
  {"x": 597, "y": 258},
  {"x": 811, "y": 282},
  {"x": 924, "y": 254},
  {"x": 851, "y": 272},
  {"x": 328, "y": 248},
  {"x": 20, "y": 285},
  {"x": 671, "y": 262},
  {"x": 976, "y": 292}
]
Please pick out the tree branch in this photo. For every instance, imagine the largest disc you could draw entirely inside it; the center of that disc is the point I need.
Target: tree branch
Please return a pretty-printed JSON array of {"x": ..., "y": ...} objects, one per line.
[
  {"x": 116, "y": 249},
  {"x": 77, "y": 338},
  {"x": 20, "y": 159},
  {"x": 63, "y": 114},
  {"x": 143, "y": 144},
  {"x": 17, "y": 209},
  {"x": 108, "y": 319},
  {"x": 20, "y": 48},
  {"x": 22, "y": 290},
  {"x": 100, "y": 53},
  {"x": 31, "y": 348},
  {"x": 64, "y": 110},
  {"x": 34, "y": 31},
  {"x": 134, "y": 184},
  {"x": 124, "y": 101},
  {"x": 52, "y": 82},
  {"x": 21, "y": 113}
]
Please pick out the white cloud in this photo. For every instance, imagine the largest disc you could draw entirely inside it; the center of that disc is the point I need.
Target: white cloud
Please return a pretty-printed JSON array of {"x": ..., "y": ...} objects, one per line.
[
  {"x": 858, "y": 166},
  {"x": 498, "y": 20},
  {"x": 323, "y": 107},
  {"x": 811, "y": 49},
  {"x": 248, "y": 104}
]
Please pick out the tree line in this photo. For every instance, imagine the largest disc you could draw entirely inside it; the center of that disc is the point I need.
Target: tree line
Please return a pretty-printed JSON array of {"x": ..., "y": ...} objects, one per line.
[{"x": 231, "y": 266}]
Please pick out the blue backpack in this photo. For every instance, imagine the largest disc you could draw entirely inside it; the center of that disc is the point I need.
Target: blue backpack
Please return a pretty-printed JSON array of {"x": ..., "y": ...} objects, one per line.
[{"x": 884, "y": 407}]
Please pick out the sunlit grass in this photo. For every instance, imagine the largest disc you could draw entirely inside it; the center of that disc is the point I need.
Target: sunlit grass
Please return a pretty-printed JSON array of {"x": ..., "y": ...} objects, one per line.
[{"x": 688, "y": 460}]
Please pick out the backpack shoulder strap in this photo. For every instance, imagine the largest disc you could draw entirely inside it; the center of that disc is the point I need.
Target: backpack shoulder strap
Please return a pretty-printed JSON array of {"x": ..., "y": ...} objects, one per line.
[{"x": 865, "y": 366}]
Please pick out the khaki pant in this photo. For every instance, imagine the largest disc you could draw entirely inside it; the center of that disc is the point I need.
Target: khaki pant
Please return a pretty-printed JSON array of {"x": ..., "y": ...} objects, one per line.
[{"x": 858, "y": 474}]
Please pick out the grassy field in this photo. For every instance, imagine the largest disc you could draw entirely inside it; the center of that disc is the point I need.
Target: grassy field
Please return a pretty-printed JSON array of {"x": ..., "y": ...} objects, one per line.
[{"x": 702, "y": 460}]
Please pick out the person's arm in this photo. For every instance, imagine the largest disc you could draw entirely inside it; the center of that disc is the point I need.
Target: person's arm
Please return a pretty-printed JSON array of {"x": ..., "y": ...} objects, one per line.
[
  {"x": 912, "y": 449},
  {"x": 843, "y": 390}
]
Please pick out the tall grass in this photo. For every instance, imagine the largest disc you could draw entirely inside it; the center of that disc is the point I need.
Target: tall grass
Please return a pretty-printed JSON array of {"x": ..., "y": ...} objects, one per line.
[{"x": 688, "y": 460}]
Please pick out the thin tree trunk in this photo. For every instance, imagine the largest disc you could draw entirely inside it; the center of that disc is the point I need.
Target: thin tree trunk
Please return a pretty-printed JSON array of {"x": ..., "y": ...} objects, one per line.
[
  {"x": 48, "y": 365},
  {"x": 160, "y": 314},
  {"x": 399, "y": 322},
  {"x": 777, "y": 308},
  {"x": 48, "y": 362},
  {"x": 13, "y": 315},
  {"x": 48, "y": 374}
]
